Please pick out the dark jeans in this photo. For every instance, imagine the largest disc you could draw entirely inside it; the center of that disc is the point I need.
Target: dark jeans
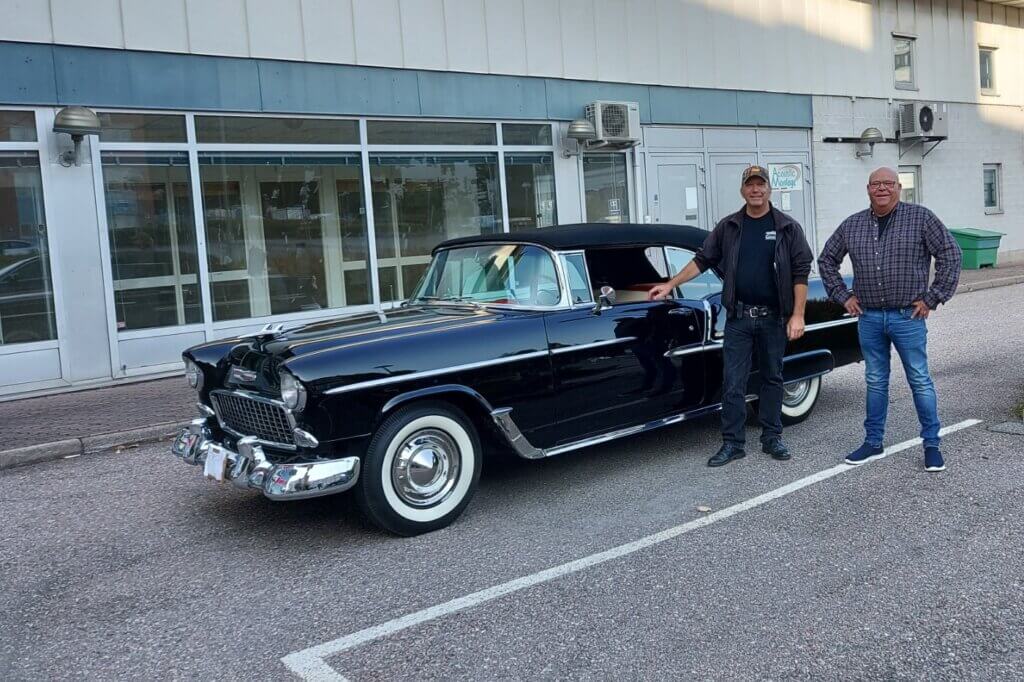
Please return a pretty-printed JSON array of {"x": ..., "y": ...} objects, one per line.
[{"x": 745, "y": 336}]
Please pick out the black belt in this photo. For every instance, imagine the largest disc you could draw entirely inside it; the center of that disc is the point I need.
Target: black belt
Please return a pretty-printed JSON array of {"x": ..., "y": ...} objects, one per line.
[{"x": 744, "y": 310}]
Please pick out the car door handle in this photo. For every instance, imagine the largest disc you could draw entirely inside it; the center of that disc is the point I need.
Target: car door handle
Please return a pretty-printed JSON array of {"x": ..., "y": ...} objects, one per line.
[{"x": 681, "y": 311}]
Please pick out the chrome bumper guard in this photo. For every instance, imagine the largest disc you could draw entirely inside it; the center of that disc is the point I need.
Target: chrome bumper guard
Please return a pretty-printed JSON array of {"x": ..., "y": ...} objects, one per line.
[{"x": 249, "y": 468}]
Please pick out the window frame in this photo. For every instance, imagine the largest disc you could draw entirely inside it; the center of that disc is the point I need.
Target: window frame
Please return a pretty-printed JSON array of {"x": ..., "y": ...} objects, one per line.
[
  {"x": 993, "y": 89},
  {"x": 912, "y": 41},
  {"x": 916, "y": 171},
  {"x": 998, "y": 169}
]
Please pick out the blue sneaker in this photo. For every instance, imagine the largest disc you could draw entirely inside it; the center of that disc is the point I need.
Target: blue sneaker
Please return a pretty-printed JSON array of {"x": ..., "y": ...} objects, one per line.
[
  {"x": 933, "y": 459},
  {"x": 864, "y": 454}
]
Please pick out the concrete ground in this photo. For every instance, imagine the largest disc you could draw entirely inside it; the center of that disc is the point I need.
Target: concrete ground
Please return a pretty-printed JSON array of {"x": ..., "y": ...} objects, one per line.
[{"x": 130, "y": 565}]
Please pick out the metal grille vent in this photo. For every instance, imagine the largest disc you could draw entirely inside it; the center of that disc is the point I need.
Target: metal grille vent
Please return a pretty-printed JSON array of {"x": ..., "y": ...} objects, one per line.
[{"x": 266, "y": 420}]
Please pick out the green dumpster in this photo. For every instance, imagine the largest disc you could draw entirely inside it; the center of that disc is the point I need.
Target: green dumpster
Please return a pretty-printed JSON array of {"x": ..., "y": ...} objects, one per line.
[{"x": 979, "y": 246}]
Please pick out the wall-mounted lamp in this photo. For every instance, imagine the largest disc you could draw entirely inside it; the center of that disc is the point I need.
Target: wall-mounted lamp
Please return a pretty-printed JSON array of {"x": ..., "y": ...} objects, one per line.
[
  {"x": 76, "y": 122},
  {"x": 868, "y": 139},
  {"x": 581, "y": 131}
]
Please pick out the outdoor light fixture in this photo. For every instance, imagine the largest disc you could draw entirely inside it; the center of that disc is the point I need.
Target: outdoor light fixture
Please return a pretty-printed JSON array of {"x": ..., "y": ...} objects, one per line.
[
  {"x": 867, "y": 141},
  {"x": 582, "y": 131},
  {"x": 76, "y": 122}
]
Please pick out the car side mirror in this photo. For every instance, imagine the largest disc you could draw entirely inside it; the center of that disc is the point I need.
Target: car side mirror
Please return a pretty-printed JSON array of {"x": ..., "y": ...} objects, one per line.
[{"x": 605, "y": 301}]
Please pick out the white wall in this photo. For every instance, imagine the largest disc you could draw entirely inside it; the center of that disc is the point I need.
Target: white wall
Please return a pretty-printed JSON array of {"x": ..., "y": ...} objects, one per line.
[
  {"x": 839, "y": 47},
  {"x": 951, "y": 175}
]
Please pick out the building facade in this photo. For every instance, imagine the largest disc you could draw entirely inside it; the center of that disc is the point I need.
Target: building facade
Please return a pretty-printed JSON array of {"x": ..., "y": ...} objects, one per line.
[{"x": 287, "y": 160}]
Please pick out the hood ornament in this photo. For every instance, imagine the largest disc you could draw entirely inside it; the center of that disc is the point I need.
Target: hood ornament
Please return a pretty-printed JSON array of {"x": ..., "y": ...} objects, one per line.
[{"x": 269, "y": 331}]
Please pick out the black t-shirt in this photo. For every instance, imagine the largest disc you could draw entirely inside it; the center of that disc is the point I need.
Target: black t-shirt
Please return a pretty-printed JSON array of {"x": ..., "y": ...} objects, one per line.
[
  {"x": 755, "y": 268},
  {"x": 883, "y": 222}
]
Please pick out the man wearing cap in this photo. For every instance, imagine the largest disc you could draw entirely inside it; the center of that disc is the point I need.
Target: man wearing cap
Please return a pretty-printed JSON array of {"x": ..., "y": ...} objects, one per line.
[
  {"x": 764, "y": 258},
  {"x": 891, "y": 245}
]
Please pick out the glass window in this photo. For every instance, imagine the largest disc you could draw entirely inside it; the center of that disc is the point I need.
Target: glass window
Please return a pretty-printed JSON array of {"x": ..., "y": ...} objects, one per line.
[
  {"x": 419, "y": 201},
  {"x": 526, "y": 133},
  {"x": 605, "y": 184},
  {"x": 703, "y": 285},
  {"x": 429, "y": 132},
  {"x": 986, "y": 63},
  {"x": 903, "y": 53},
  {"x": 26, "y": 293},
  {"x": 142, "y": 127},
  {"x": 512, "y": 274},
  {"x": 284, "y": 233},
  {"x": 576, "y": 270},
  {"x": 152, "y": 239},
  {"x": 264, "y": 130},
  {"x": 530, "y": 188},
  {"x": 17, "y": 126},
  {"x": 910, "y": 187},
  {"x": 991, "y": 188}
]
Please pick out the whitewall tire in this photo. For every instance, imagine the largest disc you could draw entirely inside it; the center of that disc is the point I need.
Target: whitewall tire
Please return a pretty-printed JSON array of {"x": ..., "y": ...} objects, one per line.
[
  {"x": 799, "y": 398},
  {"x": 420, "y": 470}
]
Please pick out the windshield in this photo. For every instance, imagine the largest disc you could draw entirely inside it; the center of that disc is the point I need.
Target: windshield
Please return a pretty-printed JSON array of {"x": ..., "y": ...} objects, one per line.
[{"x": 513, "y": 274}]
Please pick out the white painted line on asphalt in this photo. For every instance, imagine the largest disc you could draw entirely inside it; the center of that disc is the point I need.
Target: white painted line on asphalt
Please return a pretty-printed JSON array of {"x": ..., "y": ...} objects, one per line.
[{"x": 310, "y": 664}]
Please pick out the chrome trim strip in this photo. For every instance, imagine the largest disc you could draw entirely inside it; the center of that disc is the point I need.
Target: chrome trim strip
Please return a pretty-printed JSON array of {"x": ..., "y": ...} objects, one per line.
[
  {"x": 435, "y": 372},
  {"x": 830, "y": 323},
  {"x": 680, "y": 351},
  {"x": 595, "y": 344}
]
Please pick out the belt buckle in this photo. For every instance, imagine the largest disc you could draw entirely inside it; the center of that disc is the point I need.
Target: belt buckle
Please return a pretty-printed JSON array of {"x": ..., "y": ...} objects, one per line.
[{"x": 753, "y": 311}]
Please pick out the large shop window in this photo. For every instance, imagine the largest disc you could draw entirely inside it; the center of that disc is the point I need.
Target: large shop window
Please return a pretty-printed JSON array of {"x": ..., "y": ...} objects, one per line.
[
  {"x": 267, "y": 130},
  {"x": 419, "y": 201},
  {"x": 152, "y": 240},
  {"x": 606, "y": 186},
  {"x": 284, "y": 233},
  {"x": 26, "y": 293},
  {"x": 142, "y": 127},
  {"x": 17, "y": 126},
  {"x": 530, "y": 188}
]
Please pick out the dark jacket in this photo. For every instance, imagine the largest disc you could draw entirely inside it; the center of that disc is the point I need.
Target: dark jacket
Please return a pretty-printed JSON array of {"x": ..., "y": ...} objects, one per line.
[{"x": 793, "y": 256}]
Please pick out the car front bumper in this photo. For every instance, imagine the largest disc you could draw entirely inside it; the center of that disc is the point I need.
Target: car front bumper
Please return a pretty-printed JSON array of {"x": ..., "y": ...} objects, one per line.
[{"x": 247, "y": 467}]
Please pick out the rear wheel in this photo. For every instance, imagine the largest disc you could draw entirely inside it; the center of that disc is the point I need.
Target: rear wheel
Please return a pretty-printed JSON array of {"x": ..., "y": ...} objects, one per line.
[
  {"x": 420, "y": 470},
  {"x": 799, "y": 398}
]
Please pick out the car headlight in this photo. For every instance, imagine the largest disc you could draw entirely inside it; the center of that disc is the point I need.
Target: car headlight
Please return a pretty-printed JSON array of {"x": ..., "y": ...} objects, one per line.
[
  {"x": 293, "y": 394},
  {"x": 194, "y": 375}
]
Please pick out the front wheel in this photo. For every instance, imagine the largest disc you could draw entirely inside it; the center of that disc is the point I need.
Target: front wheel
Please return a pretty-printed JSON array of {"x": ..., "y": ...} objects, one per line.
[
  {"x": 420, "y": 470},
  {"x": 798, "y": 399}
]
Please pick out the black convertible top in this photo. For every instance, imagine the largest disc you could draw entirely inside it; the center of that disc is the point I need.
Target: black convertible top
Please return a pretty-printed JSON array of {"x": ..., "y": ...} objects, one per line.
[{"x": 594, "y": 235}]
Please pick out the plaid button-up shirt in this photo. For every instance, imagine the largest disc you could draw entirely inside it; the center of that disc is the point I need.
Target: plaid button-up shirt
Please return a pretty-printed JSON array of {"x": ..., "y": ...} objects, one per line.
[{"x": 891, "y": 271}]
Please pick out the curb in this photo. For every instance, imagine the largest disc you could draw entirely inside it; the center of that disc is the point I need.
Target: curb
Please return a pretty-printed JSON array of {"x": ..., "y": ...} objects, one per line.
[
  {"x": 85, "y": 445},
  {"x": 991, "y": 284}
]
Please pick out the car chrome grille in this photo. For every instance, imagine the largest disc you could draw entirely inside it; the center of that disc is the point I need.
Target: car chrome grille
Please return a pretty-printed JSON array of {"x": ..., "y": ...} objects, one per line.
[{"x": 249, "y": 416}]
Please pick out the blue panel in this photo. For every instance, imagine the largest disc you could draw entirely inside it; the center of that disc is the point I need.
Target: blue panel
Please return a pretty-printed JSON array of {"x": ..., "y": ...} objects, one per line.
[
  {"x": 27, "y": 74},
  {"x": 693, "y": 106},
  {"x": 471, "y": 95},
  {"x": 566, "y": 99},
  {"x": 143, "y": 79},
  {"x": 297, "y": 87},
  {"x": 774, "y": 109}
]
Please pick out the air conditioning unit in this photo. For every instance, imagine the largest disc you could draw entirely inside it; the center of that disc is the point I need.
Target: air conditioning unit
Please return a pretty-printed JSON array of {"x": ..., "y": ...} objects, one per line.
[
  {"x": 616, "y": 123},
  {"x": 919, "y": 120}
]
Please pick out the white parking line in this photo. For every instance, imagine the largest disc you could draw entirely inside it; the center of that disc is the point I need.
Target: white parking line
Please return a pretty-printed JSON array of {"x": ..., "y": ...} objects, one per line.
[{"x": 310, "y": 664}]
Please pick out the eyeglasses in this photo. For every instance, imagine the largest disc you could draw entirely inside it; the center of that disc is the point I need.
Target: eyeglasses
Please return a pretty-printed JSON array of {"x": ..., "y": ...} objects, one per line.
[{"x": 888, "y": 184}]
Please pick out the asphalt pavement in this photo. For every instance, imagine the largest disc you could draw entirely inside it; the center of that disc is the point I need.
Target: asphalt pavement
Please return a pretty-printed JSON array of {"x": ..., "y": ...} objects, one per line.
[{"x": 129, "y": 566}]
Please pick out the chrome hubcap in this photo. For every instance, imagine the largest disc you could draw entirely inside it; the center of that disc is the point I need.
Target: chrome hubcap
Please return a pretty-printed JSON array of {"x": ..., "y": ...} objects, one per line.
[
  {"x": 794, "y": 394},
  {"x": 426, "y": 468}
]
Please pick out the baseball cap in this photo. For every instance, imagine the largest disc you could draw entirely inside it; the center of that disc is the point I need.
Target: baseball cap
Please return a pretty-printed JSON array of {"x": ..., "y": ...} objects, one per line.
[{"x": 755, "y": 171}]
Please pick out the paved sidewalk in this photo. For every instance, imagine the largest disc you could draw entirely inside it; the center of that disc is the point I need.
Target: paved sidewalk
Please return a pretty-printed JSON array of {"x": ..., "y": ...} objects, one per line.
[{"x": 106, "y": 417}]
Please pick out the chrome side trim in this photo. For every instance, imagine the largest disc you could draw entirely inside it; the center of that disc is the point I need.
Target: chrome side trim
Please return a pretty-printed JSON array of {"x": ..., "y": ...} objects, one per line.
[
  {"x": 595, "y": 344},
  {"x": 831, "y": 323},
  {"x": 435, "y": 372},
  {"x": 685, "y": 350}
]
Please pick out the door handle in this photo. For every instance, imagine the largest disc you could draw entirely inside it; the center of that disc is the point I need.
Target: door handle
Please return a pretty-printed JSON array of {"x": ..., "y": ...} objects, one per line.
[{"x": 681, "y": 311}]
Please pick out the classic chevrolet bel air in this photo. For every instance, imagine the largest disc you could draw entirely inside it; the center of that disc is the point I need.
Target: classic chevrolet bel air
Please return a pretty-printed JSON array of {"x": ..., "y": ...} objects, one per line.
[{"x": 533, "y": 343}]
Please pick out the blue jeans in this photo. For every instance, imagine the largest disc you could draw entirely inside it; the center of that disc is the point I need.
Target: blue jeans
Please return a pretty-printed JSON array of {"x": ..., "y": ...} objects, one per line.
[{"x": 879, "y": 329}]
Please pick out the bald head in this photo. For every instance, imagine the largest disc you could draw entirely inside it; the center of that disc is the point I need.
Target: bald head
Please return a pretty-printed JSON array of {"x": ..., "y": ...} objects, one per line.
[{"x": 883, "y": 190}]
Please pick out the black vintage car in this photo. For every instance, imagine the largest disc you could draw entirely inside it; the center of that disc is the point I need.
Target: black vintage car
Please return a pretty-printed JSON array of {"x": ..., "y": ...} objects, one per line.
[{"x": 534, "y": 343}]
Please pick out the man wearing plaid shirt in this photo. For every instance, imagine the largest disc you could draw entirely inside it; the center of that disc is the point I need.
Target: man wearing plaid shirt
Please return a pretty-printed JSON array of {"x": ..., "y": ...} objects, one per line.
[{"x": 891, "y": 245}]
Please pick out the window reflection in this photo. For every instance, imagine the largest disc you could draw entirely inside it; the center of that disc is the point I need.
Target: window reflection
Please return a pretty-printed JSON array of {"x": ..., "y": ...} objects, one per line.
[
  {"x": 419, "y": 201},
  {"x": 26, "y": 294},
  {"x": 605, "y": 184},
  {"x": 152, "y": 240},
  {"x": 284, "y": 233}
]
